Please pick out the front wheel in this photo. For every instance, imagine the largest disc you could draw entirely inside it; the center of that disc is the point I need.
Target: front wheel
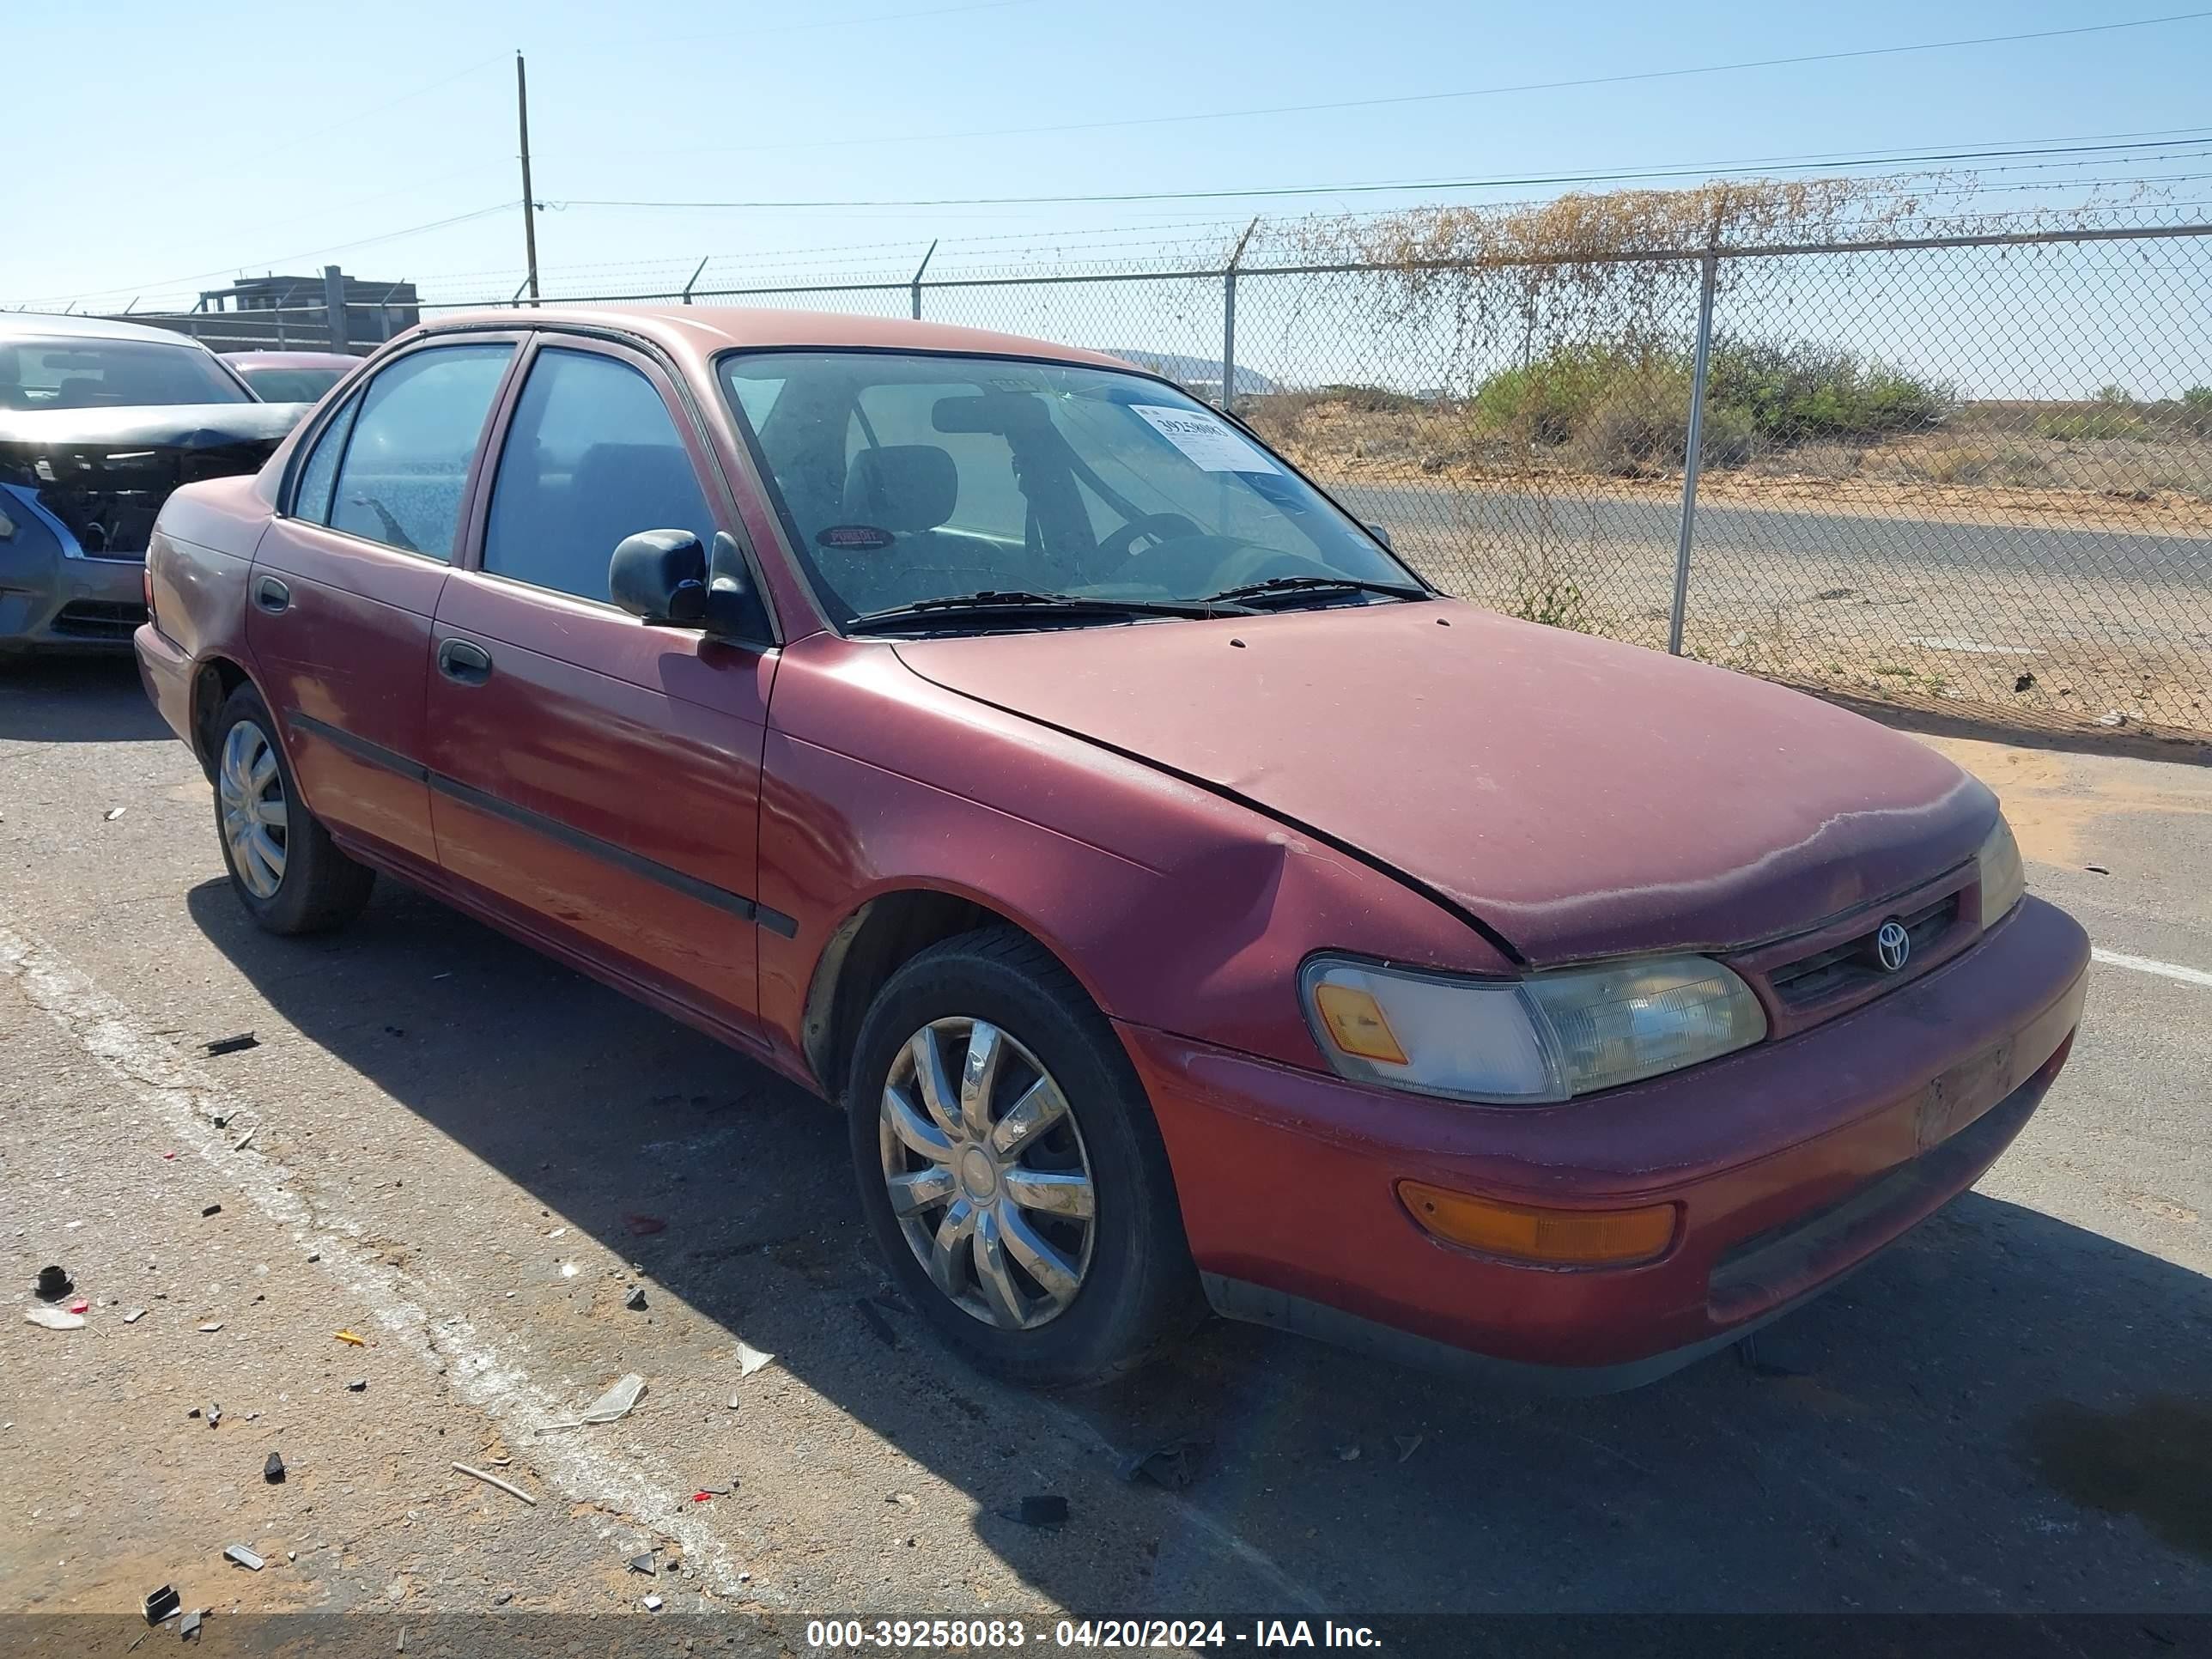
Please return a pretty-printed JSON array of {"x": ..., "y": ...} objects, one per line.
[
  {"x": 285, "y": 869},
  {"x": 1010, "y": 1167}
]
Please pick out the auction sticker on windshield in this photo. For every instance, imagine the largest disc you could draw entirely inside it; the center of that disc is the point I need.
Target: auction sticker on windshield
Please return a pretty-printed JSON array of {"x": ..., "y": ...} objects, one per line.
[{"x": 1209, "y": 443}]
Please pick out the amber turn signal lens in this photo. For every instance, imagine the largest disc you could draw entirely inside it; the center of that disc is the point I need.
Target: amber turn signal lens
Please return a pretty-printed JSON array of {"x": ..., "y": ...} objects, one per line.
[
  {"x": 1355, "y": 1022},
  {"x": 1557, "y": 1238}
]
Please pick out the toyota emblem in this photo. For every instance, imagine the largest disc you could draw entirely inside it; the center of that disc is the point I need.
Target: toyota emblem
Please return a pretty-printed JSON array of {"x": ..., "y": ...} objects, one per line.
[{"x": 1894, "y": 945}]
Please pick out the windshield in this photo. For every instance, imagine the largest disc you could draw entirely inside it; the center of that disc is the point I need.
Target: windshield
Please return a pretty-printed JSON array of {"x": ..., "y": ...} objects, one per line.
[
  {"x": 291, "y": 385},
  {"x": 110, "y": 375},
  {"x": 907, "y": 478}
]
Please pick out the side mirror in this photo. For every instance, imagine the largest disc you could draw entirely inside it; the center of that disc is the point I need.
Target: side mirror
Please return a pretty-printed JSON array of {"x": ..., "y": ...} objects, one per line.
[
  {"x": 1382, "y": 533},
  {"x": 665, "y": 578},
  {"x": 660, "y": 575}
]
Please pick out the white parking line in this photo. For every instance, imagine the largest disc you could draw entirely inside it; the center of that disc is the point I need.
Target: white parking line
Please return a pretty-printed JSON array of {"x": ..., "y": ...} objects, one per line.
[
  {"x": 2196, "y": 976},
  {"x": 477, "y": 1368}
]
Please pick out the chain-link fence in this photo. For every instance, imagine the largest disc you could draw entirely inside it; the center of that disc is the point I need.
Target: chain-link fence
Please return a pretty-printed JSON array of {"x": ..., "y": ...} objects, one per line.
[{"x": 1967, "y": 469}]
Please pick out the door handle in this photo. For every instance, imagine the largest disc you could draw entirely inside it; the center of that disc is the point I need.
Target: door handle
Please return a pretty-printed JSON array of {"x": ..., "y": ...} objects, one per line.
[
  {"x": 462, "y": 663},
  {"x": 272, "y": 596}
]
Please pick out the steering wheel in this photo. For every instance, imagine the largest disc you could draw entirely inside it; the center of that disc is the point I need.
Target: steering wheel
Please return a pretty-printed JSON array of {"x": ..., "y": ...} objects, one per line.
[{"x": 1160, "y": 526}]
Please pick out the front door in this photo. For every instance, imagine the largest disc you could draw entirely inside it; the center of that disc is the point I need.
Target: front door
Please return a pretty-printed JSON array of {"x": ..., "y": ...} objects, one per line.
[
  {"x": 346, "y": 580},
  {"x": 595, "y": 779}
]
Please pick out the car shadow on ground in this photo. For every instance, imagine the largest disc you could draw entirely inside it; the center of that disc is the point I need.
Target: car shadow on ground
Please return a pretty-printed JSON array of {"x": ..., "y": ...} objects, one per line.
[
  {"x": 74, "y": 699},
  {"x": 2004, "y": 1412}
]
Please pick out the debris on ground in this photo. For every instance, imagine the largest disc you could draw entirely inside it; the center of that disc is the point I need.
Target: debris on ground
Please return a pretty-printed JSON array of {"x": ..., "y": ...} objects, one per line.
[
  {"x": 1408, "y": 1444},
  {"x": 54, "y": 1284},
  {"x": 231, "y": 1045},
  {"x": 113, "y": 813},
  {"x": 207, "y": 1210},
  {"x": 647, "y": 1563},
  {"x": 653, "y": 1604},
  {"x": 245, "y": 1558},
  {"x": 635, "y": 1300},
  {"x": 2112, "y": 717},
  {"x": 735, "y": 1402},
  {"x": 1348, "y": 1452},
  {"x": 349, "y": 1338},
  {"x": 134, "y": 1316},
  {"x": 162, "y": 1604},
  {"x": 78, "y": 1306},
  {"x": 359, "y": 1385},
  {"x": 1047, "y": 1510},
  {"x": 644, "y": 1226},
  {"x": 905, "y": 1500},
  {"x": 2025, "y": 683},
  {"x": 210, "y": 1328},
  {"x": 273, "y": 1470},
  {"x": 214, "y": 1416},
  {"x": 188, "y": 1626},
  {"x": 2097, "y": 869},
  {"x": 872, "y": 1317},
  {"x": 749, "y": 1358},
  {"x": 53, "y": 1319},
  {"x": 494, "y": 1480},
  {"x": 239, "y": 1144},
  {"x": 1173, "y": 1464},
  {"x": 503, "y": 1598},
  {"x": 614, "y": 1405}
]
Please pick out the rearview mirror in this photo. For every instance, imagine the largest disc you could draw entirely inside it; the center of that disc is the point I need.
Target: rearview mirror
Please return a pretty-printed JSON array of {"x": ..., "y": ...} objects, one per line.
[
  {"x": 666, "y": 579},
  {"x": 1382, "y": 533},
  {"x": 660, "y": 576}
]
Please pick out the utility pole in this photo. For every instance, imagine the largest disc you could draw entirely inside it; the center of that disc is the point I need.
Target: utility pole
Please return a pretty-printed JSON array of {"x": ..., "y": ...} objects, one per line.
[{"x": 529, "y": 201}]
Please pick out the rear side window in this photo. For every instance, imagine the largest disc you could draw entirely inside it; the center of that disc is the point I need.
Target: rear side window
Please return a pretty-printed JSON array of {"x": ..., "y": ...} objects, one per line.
[
  {"x": 591, "y": 456},
  {"x": 407, "y": 460},
  {"x": 312, "y": 499}
]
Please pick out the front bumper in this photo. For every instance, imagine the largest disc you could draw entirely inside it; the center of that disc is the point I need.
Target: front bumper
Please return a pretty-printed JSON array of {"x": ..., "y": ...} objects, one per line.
[
  {"x": 53, "y": 597},
  {"x": 1791, "y": 1163}
]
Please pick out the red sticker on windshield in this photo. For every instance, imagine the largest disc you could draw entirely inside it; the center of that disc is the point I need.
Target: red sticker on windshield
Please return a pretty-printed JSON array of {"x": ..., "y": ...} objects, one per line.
[{"x": 848, "y": 536}]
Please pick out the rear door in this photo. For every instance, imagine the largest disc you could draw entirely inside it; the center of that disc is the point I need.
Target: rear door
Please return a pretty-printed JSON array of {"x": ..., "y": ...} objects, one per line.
[
  {"x": 597, "y": 778},
  {"x": 346, "y": 581}
]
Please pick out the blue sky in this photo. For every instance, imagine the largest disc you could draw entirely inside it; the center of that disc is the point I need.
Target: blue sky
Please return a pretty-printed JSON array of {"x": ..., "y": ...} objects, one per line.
[{"x": 170, "y": 142}]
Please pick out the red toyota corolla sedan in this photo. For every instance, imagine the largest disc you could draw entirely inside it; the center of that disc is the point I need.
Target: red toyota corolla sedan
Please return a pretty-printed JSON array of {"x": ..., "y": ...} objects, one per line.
[{"x": 1184, "y": 901}]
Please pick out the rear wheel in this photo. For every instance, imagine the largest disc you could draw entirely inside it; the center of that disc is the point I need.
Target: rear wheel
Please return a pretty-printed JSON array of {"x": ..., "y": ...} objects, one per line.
[
  {"x": 283, "y": 865},
  {"x": 1010, "y": 1167}
]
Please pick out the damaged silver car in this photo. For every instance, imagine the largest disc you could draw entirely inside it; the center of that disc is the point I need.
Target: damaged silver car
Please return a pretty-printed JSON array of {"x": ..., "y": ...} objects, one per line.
[{"x": 99, "y": 421}]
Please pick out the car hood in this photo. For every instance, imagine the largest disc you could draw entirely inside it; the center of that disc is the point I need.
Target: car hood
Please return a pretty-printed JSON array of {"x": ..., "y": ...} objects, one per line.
[
  {"x": 172, "y": 426},
  {"x": 1580, "y": 797}
]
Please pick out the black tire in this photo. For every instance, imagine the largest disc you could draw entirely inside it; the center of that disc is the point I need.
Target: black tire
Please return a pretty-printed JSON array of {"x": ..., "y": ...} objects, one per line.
[
  {"x": 320, "y": 888},
  {"x": 1140, "y": 1289}
]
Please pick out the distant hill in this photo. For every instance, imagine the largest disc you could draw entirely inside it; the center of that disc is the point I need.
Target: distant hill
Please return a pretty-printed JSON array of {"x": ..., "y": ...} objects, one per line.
[{"x": 1194, "y": 372}]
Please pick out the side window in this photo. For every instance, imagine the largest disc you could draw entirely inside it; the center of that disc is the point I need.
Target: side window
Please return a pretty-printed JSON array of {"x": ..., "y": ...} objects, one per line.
[
  {"x": 591, "y": 456},
  {"x": 312, "y": 499},
  {"x": 407, "y": 463}
]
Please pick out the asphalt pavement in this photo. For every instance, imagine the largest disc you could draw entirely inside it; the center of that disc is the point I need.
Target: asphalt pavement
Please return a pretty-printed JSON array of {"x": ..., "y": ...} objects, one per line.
[{"x": 470, "y": 1158}]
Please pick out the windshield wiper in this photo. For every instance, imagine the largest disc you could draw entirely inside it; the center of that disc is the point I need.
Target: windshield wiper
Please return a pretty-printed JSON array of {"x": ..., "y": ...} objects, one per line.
[
  {"x": 1301, "y": 586},
  {"x": 995, "y": 605}
]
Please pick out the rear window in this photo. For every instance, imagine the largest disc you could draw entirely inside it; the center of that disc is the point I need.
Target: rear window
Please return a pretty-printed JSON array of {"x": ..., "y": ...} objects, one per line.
[
  {"x": 111, "y": 375},
  {"x": 291, "y": 385}
]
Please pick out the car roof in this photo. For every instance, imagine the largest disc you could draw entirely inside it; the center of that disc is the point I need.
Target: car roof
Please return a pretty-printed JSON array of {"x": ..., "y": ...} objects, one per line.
[
  {"x": 52, "y": 325},
  {"x": 700, "y": 331},
  {"x": 289, "y": 359}
]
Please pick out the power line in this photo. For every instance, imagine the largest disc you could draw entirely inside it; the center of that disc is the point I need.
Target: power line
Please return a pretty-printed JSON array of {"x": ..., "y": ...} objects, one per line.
[
  {"x": 1249, "y": 192},
  {"x": 1402, "y": 99}
]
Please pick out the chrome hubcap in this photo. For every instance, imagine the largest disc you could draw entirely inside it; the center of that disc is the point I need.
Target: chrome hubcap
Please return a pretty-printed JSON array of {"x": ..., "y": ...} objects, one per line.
[
  {"x": 254, "y": 820},
  {"x": 987, "y": 1173}
]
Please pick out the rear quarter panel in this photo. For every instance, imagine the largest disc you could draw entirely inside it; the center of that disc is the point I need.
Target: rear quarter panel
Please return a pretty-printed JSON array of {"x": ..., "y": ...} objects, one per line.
[{"x": 198, "y": 561}]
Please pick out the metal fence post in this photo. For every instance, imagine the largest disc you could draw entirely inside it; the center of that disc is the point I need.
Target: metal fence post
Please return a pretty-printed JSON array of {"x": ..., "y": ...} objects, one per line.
[
  {"x": 1710, "y": 271},
  {"x": 918, "y": 270},
  {"x": 1229, "y": 319},
  {"x": 334, "y": 305}
]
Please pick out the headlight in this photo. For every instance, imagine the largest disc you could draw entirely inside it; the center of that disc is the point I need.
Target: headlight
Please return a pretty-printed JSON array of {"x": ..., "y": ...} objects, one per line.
[
  {"x": 2003, "y": 881},
  {"x": 1548, "y": 1038}
]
